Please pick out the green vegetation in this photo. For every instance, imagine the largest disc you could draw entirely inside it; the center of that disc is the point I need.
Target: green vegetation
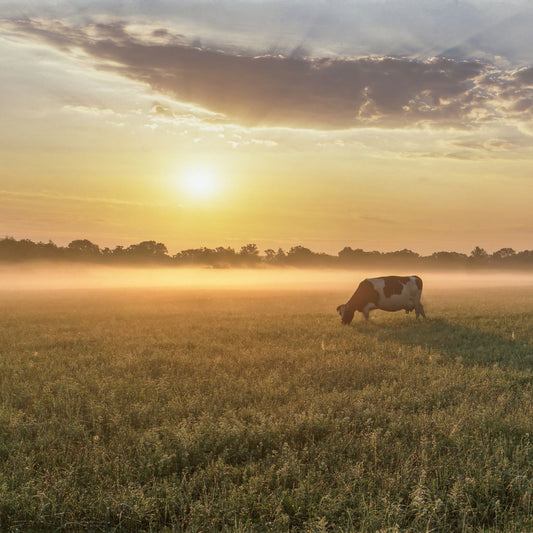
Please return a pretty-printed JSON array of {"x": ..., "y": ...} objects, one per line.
[{"x": 231, "y": 411}]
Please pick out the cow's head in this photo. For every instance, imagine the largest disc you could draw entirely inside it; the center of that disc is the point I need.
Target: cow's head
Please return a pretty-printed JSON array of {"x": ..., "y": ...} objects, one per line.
[{"x": 346, "y": 314}]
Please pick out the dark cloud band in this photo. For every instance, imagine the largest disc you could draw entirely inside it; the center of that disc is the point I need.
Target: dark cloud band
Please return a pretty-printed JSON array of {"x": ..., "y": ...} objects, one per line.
[{"x": 297, "y": 92}]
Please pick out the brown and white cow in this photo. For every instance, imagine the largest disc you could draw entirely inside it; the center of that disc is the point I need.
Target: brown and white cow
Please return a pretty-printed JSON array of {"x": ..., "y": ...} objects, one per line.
[{"x": 389, "y": 293}]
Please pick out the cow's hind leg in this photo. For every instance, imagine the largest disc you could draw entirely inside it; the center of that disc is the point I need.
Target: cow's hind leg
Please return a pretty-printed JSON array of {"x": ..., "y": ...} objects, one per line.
[{"x": 419, "y": 310}]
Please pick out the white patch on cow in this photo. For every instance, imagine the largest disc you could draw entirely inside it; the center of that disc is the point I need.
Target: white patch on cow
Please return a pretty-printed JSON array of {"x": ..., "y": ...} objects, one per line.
[
  {"x": 341, "y": 310},
  {"x": 369, "y": 307},
  {"x": 408, "y": 298}
]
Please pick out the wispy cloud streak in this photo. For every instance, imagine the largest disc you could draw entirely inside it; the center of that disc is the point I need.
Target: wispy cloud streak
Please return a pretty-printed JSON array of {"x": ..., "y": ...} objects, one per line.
[{"x": 71, "y": 198}]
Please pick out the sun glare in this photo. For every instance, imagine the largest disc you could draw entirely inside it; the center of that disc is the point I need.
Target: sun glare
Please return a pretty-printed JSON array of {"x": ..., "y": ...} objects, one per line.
[{"x": 199, "y": 183}]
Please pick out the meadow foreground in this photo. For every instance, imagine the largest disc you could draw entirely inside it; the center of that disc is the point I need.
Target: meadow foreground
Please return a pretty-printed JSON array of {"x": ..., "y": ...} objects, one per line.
[{"x": 205, "y": 410}]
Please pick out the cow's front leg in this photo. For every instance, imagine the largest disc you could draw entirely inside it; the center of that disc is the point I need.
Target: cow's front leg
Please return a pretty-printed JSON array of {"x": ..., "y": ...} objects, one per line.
[{"x": 420, "y": 311}]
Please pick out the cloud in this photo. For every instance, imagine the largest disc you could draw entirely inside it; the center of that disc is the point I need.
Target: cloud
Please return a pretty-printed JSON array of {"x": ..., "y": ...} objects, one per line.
[
  {"x": 525, "y": 76},
  {"x": 273, "y": 90},
  {"x": 486, "y": 147},
  {"x": 507, "y": 38},
  {"x": 466, "y": 29},
  {"x": 71, "y": 198},
  {"x": 163, "y": 111}
]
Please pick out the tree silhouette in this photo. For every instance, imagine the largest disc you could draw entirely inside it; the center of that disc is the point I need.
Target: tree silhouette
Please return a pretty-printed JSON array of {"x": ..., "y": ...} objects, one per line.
[
  {"x": 153, "y": 252},
  {"x": 281, "y": 256},
  {"x": 503, "y": 254},
  {"x": 84, "y": 249},
  {"x": 447, "y": 259},
  {"x": 148, "y": 250},
  {"x": 300, "y": 255},
  {"x": 270, "y": 256},
  {"x": 478, "y": 255},
  {"x": 249, "y": 255}
]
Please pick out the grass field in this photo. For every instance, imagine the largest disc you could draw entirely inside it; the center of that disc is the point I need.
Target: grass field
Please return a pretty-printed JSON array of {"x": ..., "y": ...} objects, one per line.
[{"x": 202, "y": 410}]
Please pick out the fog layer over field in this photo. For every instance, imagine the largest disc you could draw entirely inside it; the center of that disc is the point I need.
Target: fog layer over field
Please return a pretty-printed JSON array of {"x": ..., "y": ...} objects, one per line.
[{"x": 75, "y": 276}]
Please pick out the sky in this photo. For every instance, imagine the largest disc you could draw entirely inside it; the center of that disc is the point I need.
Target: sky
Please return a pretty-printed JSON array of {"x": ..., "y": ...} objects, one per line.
[{"x": 375, "y": 124}]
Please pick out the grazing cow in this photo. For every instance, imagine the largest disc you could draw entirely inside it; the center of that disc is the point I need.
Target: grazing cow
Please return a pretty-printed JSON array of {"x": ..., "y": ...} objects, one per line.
[{"x": 389, "y": 293}]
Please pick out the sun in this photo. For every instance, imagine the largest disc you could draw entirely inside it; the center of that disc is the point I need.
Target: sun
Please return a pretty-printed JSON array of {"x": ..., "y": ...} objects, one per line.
[{"x": 199, "y": 182}]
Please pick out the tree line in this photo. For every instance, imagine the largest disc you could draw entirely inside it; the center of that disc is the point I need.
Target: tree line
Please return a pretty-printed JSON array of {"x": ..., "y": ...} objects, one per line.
[{"x": 152, "y": 252}]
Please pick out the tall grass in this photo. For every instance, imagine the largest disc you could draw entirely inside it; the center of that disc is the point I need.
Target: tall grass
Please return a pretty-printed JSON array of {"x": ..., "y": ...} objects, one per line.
[{"x": 197, "y": 411}]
